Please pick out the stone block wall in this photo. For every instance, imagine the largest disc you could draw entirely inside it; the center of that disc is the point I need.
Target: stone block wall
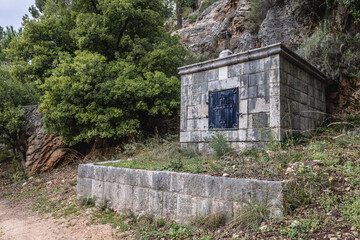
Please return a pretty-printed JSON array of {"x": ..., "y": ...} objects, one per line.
[
  {"x": 172, "y": 195},
  {"x": 278, "y": 93}
]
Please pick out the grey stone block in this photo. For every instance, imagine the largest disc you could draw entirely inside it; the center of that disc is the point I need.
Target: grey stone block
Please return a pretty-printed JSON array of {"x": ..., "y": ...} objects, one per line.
[
  {"x": 111, "y": 194},
  {"x": 185, "y": 209},
  {"x": 145, "y": 178},
  {"x": 200, "y": 77},
  {"x": 244, "y": 93},
  {"x": 170, "y": 205},
  {"x": 213, "y": 187},
  {"x": 194, "y": 184},
  {"x": 85, "y": 171},
  {"x": 212, "y": 75},
  {"x": 120, "y": 174},
  {"x": 99, "y": 172},
  {"x": 252, "y": 92},
  {"x": 161, "y": 181},
  {"x": 244, "y": 81},
  {"x": 126, "y": 197},
  {"x": 177, "y": 182},
  {"x": 110, "y": 174},
  {"x": 257, "y": 79},
  {"x": 84, "y": 187},
  {"x": 263, "y": 91},
  {"x": 260, "y": 120},
  {"x": 156, "y": 203},
  {"x": 254, "y": 66},
  {"x": 131, "y": 177},
  {"x": 224, "y": 208},
  {"x": 140, "y": 200},
  {"x": 197, "y": 89},
  {"x": 235, "y": 70},
  {"x": 203, "y": 206},
  {"x": 97, "y": 191}
]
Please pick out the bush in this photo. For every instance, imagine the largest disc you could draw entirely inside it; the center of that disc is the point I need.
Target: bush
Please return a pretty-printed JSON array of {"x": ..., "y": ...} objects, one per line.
[
  {"x": 220, "y": 145},
  {"x": 335, "y": 53}
]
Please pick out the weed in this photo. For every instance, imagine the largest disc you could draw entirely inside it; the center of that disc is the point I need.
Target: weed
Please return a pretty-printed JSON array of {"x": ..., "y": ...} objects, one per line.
[
  {"x": 351, "y": 209},
  {"x": 174, "y": 165},
  {"x": 192, "y": 18},
  {"x": 220, "y": 145},
  {"x": 90, "y": 202},
  {"x": 210, "y": 222},
  {"x": 251, "y": 215}
]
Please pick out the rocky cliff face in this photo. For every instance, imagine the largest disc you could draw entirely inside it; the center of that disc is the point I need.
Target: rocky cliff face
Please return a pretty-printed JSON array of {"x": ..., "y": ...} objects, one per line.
[
  {"x": 43, "y": 152},
  {"x": 284, "y": 21}
]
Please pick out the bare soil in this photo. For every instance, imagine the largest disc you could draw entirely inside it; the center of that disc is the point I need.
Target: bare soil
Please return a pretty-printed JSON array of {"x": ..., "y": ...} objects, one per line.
[{"x": 19, "y": 222}]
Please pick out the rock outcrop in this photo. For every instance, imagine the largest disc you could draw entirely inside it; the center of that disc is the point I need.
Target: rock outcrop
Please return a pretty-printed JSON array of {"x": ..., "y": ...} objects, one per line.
[
  {"x": 43, "y": 152},
  {"x": 284, "y": 22}
]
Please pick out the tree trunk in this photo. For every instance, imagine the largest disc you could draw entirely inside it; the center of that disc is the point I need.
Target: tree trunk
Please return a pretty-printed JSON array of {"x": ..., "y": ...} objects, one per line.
[{"x": 179, "y": 13}]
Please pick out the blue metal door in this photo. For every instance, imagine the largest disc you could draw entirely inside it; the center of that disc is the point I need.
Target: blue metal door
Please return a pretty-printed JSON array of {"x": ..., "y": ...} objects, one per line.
[{"x": 224, "y": 109}]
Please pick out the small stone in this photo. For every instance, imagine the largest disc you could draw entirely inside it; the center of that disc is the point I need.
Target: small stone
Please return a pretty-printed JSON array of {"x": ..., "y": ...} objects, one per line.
[
  {"x": 263, "y": 228},
  {"x": 295, "y": 223},
  {"x": 225, "y": 175}
]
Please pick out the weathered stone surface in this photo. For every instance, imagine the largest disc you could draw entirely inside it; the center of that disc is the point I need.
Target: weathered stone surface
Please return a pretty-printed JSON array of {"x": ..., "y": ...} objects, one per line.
[
  {"x": 43, "y": 152},
  {"x": 181, "y": 198}
]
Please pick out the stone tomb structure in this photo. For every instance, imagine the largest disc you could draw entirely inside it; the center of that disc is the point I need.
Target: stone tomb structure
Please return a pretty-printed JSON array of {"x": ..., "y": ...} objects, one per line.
[{"x": 251, "y": 97}]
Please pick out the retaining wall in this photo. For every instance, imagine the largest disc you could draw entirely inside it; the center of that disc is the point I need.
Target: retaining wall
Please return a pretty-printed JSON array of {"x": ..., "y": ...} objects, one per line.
[{"x": 177, "y": 196}]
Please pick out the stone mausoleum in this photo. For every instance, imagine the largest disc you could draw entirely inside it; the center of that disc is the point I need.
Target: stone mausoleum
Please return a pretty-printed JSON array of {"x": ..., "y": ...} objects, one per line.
[{"x": 251, "y": 97}]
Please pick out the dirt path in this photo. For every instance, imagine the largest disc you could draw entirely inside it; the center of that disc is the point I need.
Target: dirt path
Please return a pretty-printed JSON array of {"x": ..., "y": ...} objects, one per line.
[{"x": 17, "y": 223}]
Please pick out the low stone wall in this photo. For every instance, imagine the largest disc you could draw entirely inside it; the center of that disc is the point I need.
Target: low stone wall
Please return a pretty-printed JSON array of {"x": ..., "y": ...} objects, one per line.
[{"x": 177, "y": 196}]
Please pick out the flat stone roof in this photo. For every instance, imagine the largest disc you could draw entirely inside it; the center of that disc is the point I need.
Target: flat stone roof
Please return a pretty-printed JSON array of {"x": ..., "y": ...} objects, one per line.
[{"x": 254, "y": 54}]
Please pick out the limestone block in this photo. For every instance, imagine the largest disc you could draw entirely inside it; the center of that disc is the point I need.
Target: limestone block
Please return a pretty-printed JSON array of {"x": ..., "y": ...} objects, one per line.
[
  {"x": 156, "y": 203},
  {"x": 197, "y": 89},
  {"x": 224, "y": 84},
  {"x": 161, "y": 181},
  {"x": 195, "y": 136},
  {"x": 84, "y": 187},
  {"x": 184, "y": 91},
  {"x": 244, "y": 93},
  {"x": 200, "y": 77},
  {"x": 254, "y": 66},
  {"x": 110, "y": 175},
  {"x": 274, "y": 89},
  {"x": 111, "y": 194},
  {"x": 99, "y": 172},
  {"x": 244, "y": 81},
  {"x": 97, "y": 191},
  {"x": 213, "y": 187},
  {"x": 236, "y": 70},
  {"x": 186, "y": 79},
  {"x": 194, "y": 184},
  {"x": 203, "y": 206},
  {"x": 185, "y": 136},
  {"x": 131, "y": 177},
  {"x": 252, "y": 92},
  {"x": 257, "y": 79},
  {"x": 212, "y": 75},
  {"x": 126, "y": 196},
  {"x": 177, "y": 182},
  {"x": 145, "y": 178},
  {"x": 275, "y": 112},
  {"x": 85, "y": 171},
  {"x": 258, "y": 105},
  {"x": 223, "y": 73},
  {"x": 243, "y": 121},
  {"x": 223, "y": 208},
  {"x": 140, "y": 200},
  {"x": 170, "y": 205},
  {"x": 263, "y": 91},
  {"x": 120, "y": 174},
  {"x": 185, "y": 208}
]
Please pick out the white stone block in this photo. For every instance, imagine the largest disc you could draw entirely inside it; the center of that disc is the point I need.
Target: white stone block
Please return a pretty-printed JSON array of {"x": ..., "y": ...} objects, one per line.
[{"x": 223, "y": 73}]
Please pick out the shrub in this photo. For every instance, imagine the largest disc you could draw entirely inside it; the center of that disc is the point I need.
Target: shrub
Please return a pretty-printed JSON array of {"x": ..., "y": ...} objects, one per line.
[
  {"x": 220, "y": 145},
  {"x": 257, "y": 13},
  {"x": 335, "y": 53}
]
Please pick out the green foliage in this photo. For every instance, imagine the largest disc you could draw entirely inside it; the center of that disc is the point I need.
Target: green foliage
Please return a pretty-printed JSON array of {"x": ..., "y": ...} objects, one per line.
[
  {"x": 351, "y": 210},
  {"x": 192, "y": 18},
  {"x": 219, "y": 143},
  {"x": 210, "y": 221},
  {"x": 13, "y": 95},
  {"x": 335, "y": 52},
  {"x": 251, "y": 215},
  {"x": 105, "y": 71}
]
